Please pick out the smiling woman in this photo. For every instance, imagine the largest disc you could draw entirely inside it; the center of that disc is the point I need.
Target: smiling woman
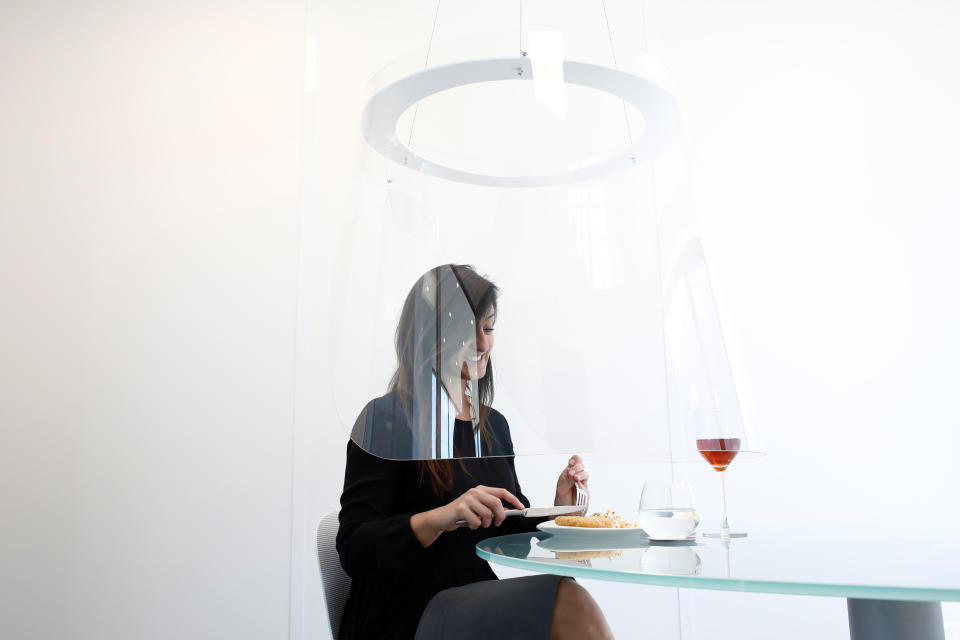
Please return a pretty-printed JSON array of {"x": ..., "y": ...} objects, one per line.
[{"x": 411, "y": 517}]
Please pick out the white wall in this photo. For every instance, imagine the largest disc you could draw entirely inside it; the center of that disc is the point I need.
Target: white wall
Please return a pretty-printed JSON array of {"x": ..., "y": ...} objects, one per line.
[{"x": 149, "y": 195}]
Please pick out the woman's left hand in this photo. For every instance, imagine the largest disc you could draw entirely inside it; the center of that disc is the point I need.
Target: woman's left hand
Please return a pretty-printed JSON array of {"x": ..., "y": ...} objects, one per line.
[{"x": 574, "y": 473}]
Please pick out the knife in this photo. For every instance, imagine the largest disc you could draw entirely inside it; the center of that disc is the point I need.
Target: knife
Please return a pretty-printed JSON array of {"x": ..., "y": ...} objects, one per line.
[{"x": 538, "y": 512}]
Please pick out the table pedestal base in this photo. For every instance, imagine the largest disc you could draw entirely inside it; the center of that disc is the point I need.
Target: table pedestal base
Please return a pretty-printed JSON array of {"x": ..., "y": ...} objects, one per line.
[{"x": 894, "y": 620}]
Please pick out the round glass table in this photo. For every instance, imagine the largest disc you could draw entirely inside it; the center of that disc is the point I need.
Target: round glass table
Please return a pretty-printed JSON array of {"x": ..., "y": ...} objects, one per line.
[{"x": 893, "y": 587}]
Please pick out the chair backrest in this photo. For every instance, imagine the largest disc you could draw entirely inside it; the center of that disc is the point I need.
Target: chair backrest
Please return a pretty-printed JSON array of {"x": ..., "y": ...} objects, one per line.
[{"x": 336, "y": 582}]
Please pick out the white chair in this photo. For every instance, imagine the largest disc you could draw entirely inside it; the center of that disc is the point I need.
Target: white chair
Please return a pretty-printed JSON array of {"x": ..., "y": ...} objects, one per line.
[{"x": 336, "y": 582}]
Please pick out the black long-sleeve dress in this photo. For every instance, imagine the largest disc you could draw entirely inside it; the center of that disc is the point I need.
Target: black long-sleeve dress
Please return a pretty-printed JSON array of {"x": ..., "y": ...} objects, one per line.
[{"x": 394, "y": 577}]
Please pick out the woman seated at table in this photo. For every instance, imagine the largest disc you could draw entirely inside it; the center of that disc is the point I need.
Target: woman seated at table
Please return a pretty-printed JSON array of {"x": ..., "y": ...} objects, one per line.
[{"x": 415, "y": 570}]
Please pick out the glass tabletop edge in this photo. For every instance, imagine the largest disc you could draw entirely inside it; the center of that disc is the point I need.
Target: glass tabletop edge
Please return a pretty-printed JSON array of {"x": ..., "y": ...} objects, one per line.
[{"x": 865, "y": 592}]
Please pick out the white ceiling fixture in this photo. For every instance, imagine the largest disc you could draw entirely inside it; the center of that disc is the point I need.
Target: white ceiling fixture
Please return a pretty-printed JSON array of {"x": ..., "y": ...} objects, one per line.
[{"x": 385, "y": 107}]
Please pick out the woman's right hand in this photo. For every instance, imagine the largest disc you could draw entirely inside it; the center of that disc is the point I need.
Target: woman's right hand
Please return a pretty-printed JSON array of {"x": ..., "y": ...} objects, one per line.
[{"x": 480, "y": 507}]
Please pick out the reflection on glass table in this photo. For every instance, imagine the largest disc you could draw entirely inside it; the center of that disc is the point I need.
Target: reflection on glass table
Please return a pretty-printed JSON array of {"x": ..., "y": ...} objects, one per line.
[{"x": 893, "y": 587}]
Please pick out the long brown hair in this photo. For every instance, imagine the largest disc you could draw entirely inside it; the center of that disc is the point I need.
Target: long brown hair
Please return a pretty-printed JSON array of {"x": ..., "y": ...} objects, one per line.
[{"x": 419, "y": 347}]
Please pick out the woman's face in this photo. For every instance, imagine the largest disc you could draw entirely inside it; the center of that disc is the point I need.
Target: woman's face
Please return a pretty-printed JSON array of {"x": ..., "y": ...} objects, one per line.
[{"x": 475, "y": 355}]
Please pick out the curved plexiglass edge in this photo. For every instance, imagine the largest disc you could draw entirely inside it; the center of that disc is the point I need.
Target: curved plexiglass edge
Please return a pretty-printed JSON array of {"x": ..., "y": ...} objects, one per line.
[
  {"x": 702, "y": 394},
  {"x": 703, "y": 566}
]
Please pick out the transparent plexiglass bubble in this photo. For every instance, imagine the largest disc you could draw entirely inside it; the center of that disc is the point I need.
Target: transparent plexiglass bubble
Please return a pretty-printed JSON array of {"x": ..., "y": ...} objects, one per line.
[{"x": 572, "y": 355}]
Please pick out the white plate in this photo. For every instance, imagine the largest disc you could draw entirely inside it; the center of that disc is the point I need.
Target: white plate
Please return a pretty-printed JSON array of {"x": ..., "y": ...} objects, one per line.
[{"x": 553, "y": 528}]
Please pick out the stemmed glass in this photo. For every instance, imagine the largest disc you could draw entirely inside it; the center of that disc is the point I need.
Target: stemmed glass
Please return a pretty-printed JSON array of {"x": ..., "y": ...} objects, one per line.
[{"x": 720, "y": 437}]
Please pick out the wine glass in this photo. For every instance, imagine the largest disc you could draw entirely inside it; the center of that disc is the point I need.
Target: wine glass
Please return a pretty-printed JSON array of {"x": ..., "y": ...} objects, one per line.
[
  {"x": 720, "y": 437},
  {"x": 667, "y": 510}
]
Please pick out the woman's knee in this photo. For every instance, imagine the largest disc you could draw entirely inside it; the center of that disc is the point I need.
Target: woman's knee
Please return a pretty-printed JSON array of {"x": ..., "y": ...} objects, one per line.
[{"x": 576, "y": 614}]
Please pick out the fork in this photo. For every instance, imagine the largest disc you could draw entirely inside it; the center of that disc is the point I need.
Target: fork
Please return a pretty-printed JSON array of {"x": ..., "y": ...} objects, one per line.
[{"x": 583, "y": 497}]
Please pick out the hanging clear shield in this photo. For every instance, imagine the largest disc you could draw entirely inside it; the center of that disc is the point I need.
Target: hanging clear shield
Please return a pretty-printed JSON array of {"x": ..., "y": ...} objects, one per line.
[{"x": 500, "y": 289}]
